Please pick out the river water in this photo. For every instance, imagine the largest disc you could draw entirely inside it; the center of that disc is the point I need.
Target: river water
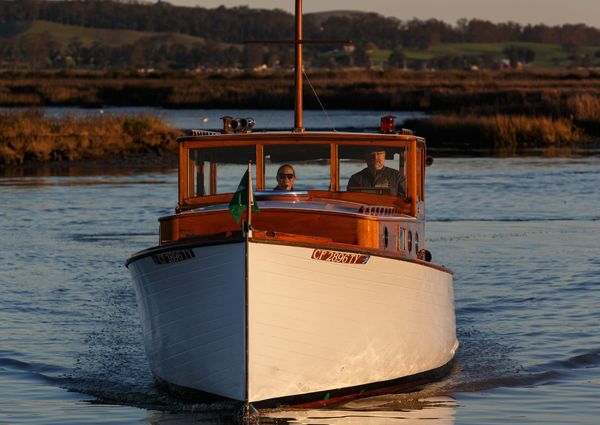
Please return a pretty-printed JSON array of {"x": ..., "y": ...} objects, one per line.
[
  {"x": 521, "y": 234},
  {"x": 266, "y": 119}
]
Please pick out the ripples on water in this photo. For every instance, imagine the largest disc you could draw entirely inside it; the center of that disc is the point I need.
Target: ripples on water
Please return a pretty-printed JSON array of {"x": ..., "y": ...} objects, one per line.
[{"x": 521, "y": 235}]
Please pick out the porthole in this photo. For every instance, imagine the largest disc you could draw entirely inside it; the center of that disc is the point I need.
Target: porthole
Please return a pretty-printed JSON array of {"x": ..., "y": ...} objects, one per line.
[
  {"x": 409, "y": 241},
  {"x": 416, "y": 242},
  {"x": 400, "y": 241},
  {"x": 385, "y": 237}
]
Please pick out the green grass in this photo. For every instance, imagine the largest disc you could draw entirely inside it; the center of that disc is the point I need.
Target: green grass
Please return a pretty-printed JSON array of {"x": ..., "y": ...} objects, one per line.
[
  {"x": 380, "y": 54},
  {"x": 546, "y": 55}
]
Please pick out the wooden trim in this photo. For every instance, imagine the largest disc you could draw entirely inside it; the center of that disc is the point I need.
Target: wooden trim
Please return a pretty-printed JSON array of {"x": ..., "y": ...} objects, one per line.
[
  {"x": 213, "y": 178},
  {"x": 260, "y": 167},
  {"x": 313, "y": 195},
  {"x": 290, "y": 237},
  {"x": 261, "y": 236},
  {"x": 423, "y": 150},
  {"x": 362, "y": 198},
  {"x": 318, "y": 244},
  {"x": 205, "y": 201},
  {"x": 188, "y": 200},
  {"x": 183, "y": 159},
  {"x": 411, "y": 176},
  {"x": 309, "y": 138},
  {"x": 334, "y": 183}
]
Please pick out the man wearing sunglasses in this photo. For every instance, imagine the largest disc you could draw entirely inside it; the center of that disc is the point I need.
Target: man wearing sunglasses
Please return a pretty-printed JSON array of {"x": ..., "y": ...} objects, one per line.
[
  {"x": 377, "y": 178},
  {"x": 286, "y": 176}
]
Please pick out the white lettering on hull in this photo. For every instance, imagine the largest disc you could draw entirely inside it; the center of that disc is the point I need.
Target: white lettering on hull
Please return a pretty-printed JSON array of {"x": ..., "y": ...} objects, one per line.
[{"x": 339, "y": 257}]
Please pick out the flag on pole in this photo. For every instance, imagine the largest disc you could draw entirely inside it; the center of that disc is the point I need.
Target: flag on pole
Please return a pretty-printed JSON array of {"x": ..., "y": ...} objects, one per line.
[{"x": 239, "y": 201}]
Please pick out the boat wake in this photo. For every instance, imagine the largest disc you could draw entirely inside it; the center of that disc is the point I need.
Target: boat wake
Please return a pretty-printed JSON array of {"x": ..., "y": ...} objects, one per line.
[
  {"x": 114, "y": 371},
  {"x": 39, "y": 372},
  {"x": 512, "y": 219},
  {"x": 100, "y": 237}
]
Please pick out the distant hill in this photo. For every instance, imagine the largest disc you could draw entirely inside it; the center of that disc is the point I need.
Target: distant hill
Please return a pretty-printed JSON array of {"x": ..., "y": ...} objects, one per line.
[
  {"x": 319, "y": 17},
  {"x": 108, "y": 34},
  {"x": 66, "y": 34}
]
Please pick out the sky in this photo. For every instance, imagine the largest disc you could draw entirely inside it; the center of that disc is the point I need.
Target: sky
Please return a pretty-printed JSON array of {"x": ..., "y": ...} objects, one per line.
[{"x": 549, "y": 12}]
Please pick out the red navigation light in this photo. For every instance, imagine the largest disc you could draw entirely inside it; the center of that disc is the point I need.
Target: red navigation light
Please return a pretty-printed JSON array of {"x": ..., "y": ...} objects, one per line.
[{"x": 387, "y": 124}]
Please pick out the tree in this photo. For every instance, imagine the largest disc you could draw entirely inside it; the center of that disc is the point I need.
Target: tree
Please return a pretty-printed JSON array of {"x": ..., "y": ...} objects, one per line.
[
  {"x": 397, "y": 58},
  {"x": 518, "y": 54},
  {"x": 251, "y": 56}
]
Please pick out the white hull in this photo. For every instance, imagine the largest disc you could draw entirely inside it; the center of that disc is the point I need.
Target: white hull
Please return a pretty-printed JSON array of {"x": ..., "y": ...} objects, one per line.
[
  {"x": 313, "y": 325},
  {"x": 193, "y": 319}
]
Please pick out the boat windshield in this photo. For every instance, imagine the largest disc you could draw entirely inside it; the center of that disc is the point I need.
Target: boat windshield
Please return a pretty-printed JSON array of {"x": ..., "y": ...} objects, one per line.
[
  {"x": 370, "y": 167},
  {"x": 297, "y": 167},
  {"x": 219, "y": 170},
  {"x": 373, "y": 169}
]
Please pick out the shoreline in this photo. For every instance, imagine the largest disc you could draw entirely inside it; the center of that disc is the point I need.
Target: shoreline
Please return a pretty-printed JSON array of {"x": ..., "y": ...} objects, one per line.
[
  {"x": 29, "y": 138},
  {"x": 101, "y": 166},
  {"x": 128, "y": 163},
  {"x": 552, "y": 93}
]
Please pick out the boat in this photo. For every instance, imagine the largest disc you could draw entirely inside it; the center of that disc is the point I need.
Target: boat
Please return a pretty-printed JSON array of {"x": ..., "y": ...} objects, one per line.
[{"x": 302, "y": 294}]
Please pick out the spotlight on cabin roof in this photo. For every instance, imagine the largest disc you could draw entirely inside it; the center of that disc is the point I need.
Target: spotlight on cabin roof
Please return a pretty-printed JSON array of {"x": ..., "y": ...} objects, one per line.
[
  {"x": 237, "y": 125},
  {"x": 387, "y": 124}
]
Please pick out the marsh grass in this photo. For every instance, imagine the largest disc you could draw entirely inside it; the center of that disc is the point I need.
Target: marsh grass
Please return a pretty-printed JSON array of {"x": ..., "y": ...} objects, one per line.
[
  {"x": 31, "y": 136},
  {"x": 492, "y": 112},
  {"x": 573, "y": 94},
  {"x": 498, "y": 134}
]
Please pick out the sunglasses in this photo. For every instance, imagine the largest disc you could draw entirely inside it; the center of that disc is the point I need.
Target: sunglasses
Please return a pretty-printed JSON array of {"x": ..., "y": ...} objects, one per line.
[{"x": 285, "y": 176}]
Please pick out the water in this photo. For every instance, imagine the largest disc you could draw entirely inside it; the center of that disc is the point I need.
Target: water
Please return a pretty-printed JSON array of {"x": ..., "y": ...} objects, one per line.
[
  {"x": 266, "y": 119},
  {"x": 521, "y": 235}
]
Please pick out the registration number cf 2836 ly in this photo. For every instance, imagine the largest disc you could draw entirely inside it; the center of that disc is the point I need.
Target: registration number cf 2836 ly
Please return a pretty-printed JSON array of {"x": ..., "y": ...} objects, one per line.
[{"x": 339, "y": 257}]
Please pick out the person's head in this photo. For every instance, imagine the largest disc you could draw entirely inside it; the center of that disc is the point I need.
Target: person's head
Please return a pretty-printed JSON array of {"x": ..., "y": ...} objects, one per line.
[
  {"x": 375, "y": 159},
  {"x": 286, "y": 176}
]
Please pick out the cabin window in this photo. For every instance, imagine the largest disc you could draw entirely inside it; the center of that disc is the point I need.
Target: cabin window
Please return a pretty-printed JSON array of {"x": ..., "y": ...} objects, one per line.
[
  {"x": 373, "y": 169},
  {"x": 416, "y": 242},
  {"x": 219, "y": 170},
  {"x": 310, "y": 165}
]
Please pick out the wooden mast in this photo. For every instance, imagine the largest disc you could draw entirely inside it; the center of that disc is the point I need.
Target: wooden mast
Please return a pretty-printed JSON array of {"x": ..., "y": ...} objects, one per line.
[{"x": 298, "y": 70}]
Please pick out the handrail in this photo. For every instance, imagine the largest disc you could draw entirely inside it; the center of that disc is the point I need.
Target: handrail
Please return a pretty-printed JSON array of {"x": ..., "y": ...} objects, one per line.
[{"x": 258, "y": 194}]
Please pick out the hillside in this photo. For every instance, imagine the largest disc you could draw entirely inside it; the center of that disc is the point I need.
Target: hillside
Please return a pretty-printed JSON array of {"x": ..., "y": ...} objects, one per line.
[
  {"x": 544, "y": 55},
  {"x": 318, "y": 18},
  {"x": 116, "y": 35},
  {"x": 63, "y": 34}
]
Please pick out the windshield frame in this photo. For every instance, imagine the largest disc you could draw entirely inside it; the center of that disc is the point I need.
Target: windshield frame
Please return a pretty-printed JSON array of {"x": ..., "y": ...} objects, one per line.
[{"x": 415, "y": 159}]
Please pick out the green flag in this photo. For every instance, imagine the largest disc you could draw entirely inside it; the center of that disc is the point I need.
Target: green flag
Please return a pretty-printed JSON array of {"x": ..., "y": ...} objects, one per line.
[{"x": 239, "y": 201}]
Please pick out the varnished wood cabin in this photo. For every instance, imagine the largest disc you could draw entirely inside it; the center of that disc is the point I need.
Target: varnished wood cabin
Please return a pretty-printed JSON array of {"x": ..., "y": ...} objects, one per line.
[{"x": 321, "y": 211}]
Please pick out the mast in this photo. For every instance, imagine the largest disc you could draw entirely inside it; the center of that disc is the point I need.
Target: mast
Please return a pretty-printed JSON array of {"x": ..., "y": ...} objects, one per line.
[{"x": 298, "y": 70}]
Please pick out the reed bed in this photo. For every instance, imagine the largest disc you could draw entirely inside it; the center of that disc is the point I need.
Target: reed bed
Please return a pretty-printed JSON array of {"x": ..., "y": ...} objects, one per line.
[
  {"x": 498, "y": 134},
  {"x": 30, "y": 136},
  {"x": 559, "y": 95}
]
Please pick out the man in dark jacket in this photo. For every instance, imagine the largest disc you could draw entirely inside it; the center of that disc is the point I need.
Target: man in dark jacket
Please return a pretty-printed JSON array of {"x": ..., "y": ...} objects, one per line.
[{"x": 378, "y": 177}]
